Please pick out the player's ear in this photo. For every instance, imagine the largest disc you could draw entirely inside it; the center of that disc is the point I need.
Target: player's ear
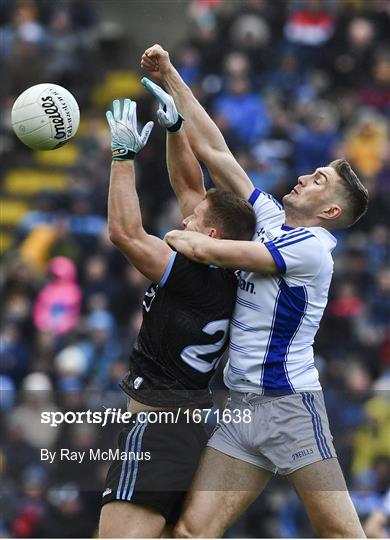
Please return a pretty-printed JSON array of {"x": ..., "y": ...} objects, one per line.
[{"x": 332, "y": 212}]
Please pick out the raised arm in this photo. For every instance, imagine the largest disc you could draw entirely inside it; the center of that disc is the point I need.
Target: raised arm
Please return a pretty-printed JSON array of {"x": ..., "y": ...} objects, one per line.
[
  {"x": 236, "y": 254},
  {"x": 185, "y": 173},
  {"x": 205, "y": 138},
  {"x": 149, "y": 254}
]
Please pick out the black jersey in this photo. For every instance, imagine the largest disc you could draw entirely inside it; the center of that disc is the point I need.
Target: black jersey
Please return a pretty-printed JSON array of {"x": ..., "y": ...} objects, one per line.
[{"x": 183, "y": 336}]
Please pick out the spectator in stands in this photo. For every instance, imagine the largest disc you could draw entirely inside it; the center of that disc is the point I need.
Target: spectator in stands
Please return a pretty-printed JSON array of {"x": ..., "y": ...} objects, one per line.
[
  {"x": 15, "y": 353},
  {"x": 372, "y": 437},
  {"x": 317, "y": 142},
  {"x": 189, "y": 64},
  {"x": 25, "y": 419},
  {"x": 99, "y": 288},
  {"x": 57, "y": 307},
  {"x": 350, "y": 55},
  {"x": 101, "y": 347},
  {"x": 366, "y": 143},
  {"x": 241, "y": 113},
  {"x": 308, "y": 28},
  {"x": 376, "y": 91}
]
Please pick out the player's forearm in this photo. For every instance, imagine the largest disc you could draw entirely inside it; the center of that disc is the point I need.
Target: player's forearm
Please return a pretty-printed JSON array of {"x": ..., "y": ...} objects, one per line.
[
  {"x": 200, "y": 128},
  {"x": 197, "y": 247},
  {"x": 234, "y": 254},
  {"x": 183, "y": 167},
  {"x": 185, "y": 173},
  {"x": 206, "y": 140},
  {"x": 124, "y": 215}
]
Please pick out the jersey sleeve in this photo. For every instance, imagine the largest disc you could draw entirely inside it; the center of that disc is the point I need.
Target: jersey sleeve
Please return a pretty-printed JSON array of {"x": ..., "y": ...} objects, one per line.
[
  {"x": 298, "y": 257},
  {"x": 184, "y": 277},
  {"x": 269, "y": 212}
]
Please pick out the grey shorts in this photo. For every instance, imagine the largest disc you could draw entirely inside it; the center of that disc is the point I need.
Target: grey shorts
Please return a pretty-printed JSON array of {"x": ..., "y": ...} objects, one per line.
[{"x": 279, "y": 434}]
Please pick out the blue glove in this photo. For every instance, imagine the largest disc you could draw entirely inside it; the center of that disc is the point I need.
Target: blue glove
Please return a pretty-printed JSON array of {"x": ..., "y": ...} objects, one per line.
[
  {"x": 125, "y": 139},
  {"x": 167, "y": 114}
]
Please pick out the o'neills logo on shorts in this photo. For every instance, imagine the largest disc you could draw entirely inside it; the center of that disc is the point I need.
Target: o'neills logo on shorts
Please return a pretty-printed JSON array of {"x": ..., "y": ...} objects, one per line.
[
  {"x": 54, "y": 114},
  {"x": 302, "y": 453}
]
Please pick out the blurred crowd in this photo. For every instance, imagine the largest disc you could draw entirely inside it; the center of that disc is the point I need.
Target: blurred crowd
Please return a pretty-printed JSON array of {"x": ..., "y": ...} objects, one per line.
[{"x": 292, "y": 85}]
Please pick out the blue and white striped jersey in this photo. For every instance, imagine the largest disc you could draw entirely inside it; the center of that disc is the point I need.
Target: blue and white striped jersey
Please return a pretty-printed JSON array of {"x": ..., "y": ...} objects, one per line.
[{"x": 276, "y": 317}]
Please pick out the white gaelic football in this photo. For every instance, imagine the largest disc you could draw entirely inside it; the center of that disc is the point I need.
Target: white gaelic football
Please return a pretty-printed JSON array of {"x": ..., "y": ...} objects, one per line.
[{"x": 45, "y": 116}]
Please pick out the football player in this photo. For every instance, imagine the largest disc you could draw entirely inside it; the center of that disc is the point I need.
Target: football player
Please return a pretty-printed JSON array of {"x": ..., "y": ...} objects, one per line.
[
  {"x": 283, "y": 288},
  {"x": 186, "y": 316}
]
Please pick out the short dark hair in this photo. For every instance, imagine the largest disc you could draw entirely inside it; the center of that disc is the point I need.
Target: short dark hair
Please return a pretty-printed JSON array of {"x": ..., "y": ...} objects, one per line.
[
  {"x": 232, "y": 215},
  {"x": 356, "y": 193}
]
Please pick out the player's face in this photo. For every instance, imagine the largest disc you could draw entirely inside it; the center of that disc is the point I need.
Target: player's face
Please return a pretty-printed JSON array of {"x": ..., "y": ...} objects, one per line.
[
  {"x": 196, "y": 221},
  {"x": 314, "y": 192}
]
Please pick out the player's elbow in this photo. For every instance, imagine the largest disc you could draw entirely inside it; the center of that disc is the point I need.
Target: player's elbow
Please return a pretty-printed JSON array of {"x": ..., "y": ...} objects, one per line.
[
  {"x": 115, "y": 234},
  {"x": 208, "y": 151},
  {"x": 120, "y": 235}
]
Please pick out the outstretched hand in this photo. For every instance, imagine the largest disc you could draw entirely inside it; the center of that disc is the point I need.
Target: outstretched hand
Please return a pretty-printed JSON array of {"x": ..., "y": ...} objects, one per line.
[
  {"x": 167, "y": 113},
  {"x": 125, "y": 139},
  {"x": 156, "y": 61}
]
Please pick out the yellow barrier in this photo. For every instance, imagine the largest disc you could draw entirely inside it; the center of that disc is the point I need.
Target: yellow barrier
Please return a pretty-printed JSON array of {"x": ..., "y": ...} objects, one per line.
[
  {"x": 12, "y": 211},
  {"x": 29, "y": 181}
]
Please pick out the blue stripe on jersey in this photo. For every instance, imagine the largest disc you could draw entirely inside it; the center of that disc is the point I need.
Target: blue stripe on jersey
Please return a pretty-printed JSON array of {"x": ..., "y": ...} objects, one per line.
[
  {"x": 242, "y": 326},
  {"x": 290, "y": 308},
  {"x": 279, "y": 261},
  {"x": 124, "y": 463},
  {"x": 314, "y": 423},
  {"x": 136, "y": 460},
  {"x": 237, "y": 348},
  {"x": 167, "y": 270},
  {"x": 248, "y": 304},
  {"x": 287, "y": 228},
  {"x": 236, "y": 370},
  {"x": 271, "y": 198},
  {"x": 286, "y": 236},
  {"x": 296, "y": 331},
  {"x": 291, "y": 242},
  {"x": 328, "y": 453},
  {"x": 255, "y": 195}
]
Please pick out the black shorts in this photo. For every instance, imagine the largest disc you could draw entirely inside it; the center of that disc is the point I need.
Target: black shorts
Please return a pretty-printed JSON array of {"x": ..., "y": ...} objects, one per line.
[{"x": 156, "y": 464}]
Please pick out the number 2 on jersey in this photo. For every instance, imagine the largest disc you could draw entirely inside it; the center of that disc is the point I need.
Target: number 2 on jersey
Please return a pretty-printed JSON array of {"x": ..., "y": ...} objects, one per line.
[{"x": 204, "y": 358}]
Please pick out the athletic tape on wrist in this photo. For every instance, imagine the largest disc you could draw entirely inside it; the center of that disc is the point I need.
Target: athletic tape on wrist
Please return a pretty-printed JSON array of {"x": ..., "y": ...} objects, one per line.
[{"x": 176, "y": 127}]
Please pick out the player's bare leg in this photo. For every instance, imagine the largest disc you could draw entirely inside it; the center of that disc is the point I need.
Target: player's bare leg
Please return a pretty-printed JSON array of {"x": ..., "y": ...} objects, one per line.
[
  {"x": 222, "y": 489},
  {"x": 322, "y": 489},
  {"x": 128, "y": 520}
]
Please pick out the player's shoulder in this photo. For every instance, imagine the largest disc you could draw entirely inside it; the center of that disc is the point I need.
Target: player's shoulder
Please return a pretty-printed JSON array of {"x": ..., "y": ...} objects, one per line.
[
  {"x": 220, "y": 276},
  {"x": 317, "y": 238},
  {"x": 323, "y": 239},
  {"x": 259, "y": 196},
  {"x": 301, "y": 251},
  {"x": 269, "y": 212},
  {"x": 210, "y": 273}
]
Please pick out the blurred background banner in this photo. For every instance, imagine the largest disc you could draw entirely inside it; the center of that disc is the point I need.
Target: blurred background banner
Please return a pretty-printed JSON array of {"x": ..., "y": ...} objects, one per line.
[{"x": 292, "y": 85}]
